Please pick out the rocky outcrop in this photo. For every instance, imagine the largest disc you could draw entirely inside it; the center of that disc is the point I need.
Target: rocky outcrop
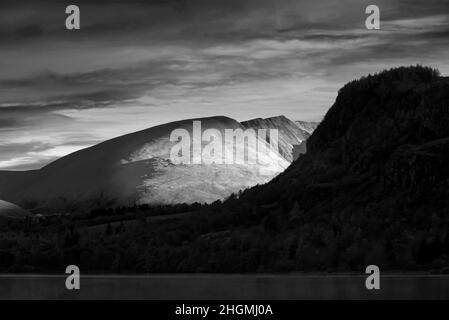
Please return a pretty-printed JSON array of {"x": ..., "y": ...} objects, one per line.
[{"x": 291, "y": 134}]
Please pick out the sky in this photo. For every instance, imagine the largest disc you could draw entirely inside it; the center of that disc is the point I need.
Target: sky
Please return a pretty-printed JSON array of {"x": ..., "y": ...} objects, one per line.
[{"x": 135, "y": 64}]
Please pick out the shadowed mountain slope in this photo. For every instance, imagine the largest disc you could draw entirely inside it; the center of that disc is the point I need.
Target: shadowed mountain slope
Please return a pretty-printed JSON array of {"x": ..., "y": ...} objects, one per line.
[
  {"x": 374, "y": 184},
  {"x": 135, "y": 168}
]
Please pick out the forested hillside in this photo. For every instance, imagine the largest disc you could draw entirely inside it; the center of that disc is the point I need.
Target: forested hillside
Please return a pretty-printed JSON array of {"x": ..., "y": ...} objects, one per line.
[{"x": 373, "y": 188}]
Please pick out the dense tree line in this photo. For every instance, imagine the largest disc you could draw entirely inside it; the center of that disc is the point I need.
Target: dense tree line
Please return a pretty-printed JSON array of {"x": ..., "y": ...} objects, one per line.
[{"x": 373, "y": 188}]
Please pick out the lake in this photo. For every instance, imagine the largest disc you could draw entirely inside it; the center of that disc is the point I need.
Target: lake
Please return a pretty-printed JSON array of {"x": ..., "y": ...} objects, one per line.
[{"x": 224, "y": 287}]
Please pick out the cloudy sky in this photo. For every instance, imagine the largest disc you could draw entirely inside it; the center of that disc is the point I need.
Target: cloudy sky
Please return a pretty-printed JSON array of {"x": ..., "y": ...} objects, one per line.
[{"x": 135, "y": 64}]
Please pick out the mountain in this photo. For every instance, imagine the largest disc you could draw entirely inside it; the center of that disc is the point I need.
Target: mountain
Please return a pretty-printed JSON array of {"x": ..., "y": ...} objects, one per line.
[
  {"x": 308, "y": 127},
  {"x": 137, "y": 168},
  {"x": 373, "y": 187},
  {"x": 10, "y": 210},
  {"x": 291, "y": 134}
]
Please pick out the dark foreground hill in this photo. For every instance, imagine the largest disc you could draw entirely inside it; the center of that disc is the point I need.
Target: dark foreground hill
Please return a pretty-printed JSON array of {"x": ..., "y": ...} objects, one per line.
[
  {"x": 373, "y": 188},
  {"x": 374, "y": 185}
]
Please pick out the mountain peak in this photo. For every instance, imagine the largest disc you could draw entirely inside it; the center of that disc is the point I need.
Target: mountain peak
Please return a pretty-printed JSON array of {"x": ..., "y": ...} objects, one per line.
[
  {"x": 138, "y": 167},
  {"x": 280, "y": 117},
  {"x": 381, "y": 105},
  {"x": 377, "y": 162},
  {"x": 291, "y": 135}
]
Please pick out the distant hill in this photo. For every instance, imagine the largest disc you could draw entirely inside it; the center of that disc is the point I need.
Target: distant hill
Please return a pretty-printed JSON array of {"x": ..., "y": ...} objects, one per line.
[
  {"x": 10, "y": 210},
  {"x": 373, "y": 188},
  {"x": 135, "y": 168}
]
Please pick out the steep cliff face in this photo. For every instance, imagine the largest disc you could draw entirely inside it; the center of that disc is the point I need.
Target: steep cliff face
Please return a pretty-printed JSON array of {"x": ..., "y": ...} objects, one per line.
[
  {"x": 378, "y": 122},
  {"x": 307, "y": 126},
  {"x": 291, "y": 134},
  {"x": 374, "y": 184}
]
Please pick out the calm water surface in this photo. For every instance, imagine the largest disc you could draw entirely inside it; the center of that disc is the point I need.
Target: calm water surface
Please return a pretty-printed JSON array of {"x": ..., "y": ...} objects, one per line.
[{"x": 224, "y": 287}]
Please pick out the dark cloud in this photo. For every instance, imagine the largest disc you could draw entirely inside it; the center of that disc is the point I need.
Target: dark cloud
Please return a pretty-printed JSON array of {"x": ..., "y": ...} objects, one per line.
[
  {"x": 7, "y": 123},
  {"x": 29, "y": 31}
]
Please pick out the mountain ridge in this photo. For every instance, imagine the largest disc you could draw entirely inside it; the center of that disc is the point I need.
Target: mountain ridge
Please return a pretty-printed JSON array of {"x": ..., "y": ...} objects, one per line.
[
  {"x": 133, "y": 167},
  {"x": 291, "y": 134},
  {"x": 373, "y": 189}
]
